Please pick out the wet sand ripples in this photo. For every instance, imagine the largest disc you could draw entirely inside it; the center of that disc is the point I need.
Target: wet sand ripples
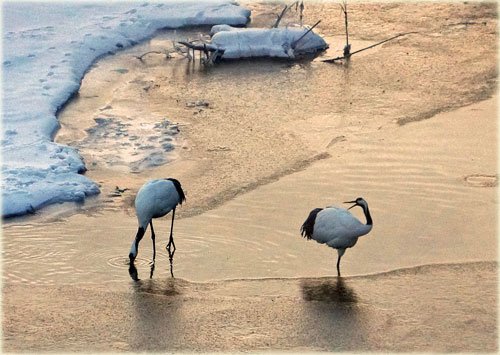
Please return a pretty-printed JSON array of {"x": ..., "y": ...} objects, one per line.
[
  {"x": 123, "y": 262},
  {"x": 389, "y": 312}
]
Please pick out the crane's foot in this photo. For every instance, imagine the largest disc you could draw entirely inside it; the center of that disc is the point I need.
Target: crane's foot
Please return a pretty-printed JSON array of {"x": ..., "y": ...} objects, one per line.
[
  {"x": 171, "y": 253},
  {"x": 152, "y": 265}
]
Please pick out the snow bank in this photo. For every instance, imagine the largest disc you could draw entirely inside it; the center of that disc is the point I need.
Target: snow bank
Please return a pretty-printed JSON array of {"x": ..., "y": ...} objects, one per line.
[
  {"x": 47, "y": 47},
  {"x": 260, "y": 42}
]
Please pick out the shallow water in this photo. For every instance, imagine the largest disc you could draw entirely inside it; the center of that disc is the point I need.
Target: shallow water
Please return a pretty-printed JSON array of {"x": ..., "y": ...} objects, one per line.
[
  {"x": 276, "y": 140},
  {"x": 425, "y": 210}
]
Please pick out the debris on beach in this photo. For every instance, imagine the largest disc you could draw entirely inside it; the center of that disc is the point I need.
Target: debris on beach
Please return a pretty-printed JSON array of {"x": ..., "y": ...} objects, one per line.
[
  {"x": 274, "y": 42},
  {"x": 219, "y": 148},
  {"x": 117, "y": 192},
  {"x": 199, "y": 103},
  {"x": 293, "y": 41},
  {"x": 229, "y": 42},
  {"x": 347, "y": 48}
]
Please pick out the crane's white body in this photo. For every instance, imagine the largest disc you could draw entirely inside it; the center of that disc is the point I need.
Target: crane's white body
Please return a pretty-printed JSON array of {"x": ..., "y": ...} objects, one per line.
[
  {"x": 338, "y": 228},
  {"x": 155, "y": 199}
]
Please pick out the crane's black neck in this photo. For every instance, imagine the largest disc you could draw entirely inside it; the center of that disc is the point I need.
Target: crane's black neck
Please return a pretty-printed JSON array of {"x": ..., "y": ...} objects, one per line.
[{"x": 369, "y": 220}]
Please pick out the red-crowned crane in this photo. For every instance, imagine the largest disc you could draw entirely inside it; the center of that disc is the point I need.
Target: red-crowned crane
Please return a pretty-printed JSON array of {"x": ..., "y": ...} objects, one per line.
[
  {"x": 155, "y": 199},
  {"x": 337, "y": 227}
]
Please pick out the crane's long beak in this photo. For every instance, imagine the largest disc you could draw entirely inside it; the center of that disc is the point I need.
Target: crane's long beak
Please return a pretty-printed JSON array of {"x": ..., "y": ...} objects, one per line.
[{"x": 355, "y": 204}]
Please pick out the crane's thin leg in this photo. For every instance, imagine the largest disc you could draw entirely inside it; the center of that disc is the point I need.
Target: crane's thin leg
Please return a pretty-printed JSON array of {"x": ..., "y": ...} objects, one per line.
[
  {"x": 154, "y": 250},
  {"x": 340, "y": 252},
  {"x": 170, "y": 244}
]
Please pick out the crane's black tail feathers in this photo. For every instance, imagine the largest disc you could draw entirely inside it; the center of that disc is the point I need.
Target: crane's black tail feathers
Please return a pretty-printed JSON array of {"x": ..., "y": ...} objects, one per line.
[
  {"x": 178, "y": 187},
  {"x": 307, "y": 228}
]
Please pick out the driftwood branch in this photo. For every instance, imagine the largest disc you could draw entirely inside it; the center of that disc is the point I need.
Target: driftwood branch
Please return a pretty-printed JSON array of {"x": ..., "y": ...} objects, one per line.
[
  {"x": 280, "y": 16},
  {"x": 344, "y": 10},
  {"x": 363, "y": 49},
  {"x": 301, "y": 14},
  {"x": 180, "y": 50},
  {"x": 347, "y": 48},
  {"x": 200, "y": 47},
  {"x": 166, "y": 53},
  {"x": 212, "y": 53},
  {"x": 294, "y": 44},
  {"x": 283, "y": 12}
]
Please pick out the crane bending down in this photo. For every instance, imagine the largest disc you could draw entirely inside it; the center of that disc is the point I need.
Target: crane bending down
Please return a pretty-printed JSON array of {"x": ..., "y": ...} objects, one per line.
[
  {"x": 155, "y": 199},
  {"x": 337, "y": 227}
]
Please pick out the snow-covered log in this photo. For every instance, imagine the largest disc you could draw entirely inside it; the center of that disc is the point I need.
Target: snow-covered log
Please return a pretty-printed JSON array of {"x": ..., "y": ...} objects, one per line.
[
  {"x": 222, "y": 28},
  {"x": 286, "y": 42}
]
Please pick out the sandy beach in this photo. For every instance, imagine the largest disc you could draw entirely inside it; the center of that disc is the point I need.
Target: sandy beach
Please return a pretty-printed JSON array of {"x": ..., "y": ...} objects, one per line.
[
  {"x": 411, "y": 126},
  {"x": 359, "y": 314}
]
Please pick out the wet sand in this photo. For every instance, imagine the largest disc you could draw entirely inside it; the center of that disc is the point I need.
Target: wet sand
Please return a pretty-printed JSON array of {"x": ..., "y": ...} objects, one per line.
[
  {"x": 364, "y": 314},
  {"x": 410, "y": 126}
]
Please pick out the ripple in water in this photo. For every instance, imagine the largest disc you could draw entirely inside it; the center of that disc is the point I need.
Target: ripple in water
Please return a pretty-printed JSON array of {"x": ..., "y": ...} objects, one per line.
[{"x": 123, "y": 262}]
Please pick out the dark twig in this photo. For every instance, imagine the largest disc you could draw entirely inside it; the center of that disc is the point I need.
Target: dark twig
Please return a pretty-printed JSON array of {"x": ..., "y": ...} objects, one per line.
[
  {"x": 280, "y": 16},
  {"x": 294, "y": 44},
  {"x": 373, "y": 45},
  {"x": 301, "y": 14},
  {"x": 283, "y": 12},
  {"x": 167, "y": 54},
  {"x": 199, "y": 47},
  {"x": 212, "y": 53},
  {"x": 347, "y": 48}
]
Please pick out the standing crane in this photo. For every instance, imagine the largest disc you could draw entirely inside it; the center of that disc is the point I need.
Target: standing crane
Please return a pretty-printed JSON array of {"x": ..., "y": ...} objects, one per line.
[{"x": 337, "y": 227}]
